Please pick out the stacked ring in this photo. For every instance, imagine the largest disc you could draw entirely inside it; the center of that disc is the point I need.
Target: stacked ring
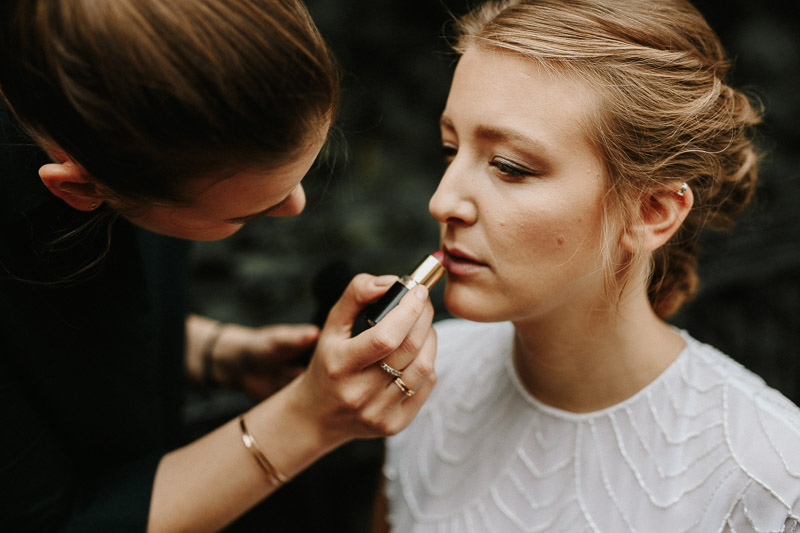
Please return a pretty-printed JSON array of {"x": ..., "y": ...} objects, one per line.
[
  {"x": 403, "y": 387},
  {"x": 391, "y": 371}
]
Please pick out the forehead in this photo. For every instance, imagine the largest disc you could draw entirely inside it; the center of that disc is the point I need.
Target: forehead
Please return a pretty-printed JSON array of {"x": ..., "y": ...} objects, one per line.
[{"x": 515, "y": 93}]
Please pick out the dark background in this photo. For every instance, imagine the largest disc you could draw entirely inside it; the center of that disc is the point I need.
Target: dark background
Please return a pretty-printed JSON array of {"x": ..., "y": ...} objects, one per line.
[{"x": 367, "y": 211}]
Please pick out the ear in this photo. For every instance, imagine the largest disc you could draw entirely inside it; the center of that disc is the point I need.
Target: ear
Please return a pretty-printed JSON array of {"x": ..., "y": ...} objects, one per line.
[
  {"x": 662, "y": 213},
  {"x": 69, "y": 181}
]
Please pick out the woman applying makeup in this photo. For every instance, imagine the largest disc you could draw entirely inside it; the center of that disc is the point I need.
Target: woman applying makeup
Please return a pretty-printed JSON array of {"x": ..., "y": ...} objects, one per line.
[
  {"x": 587, "y": 145},
  {"x": 131, "y": 127}
]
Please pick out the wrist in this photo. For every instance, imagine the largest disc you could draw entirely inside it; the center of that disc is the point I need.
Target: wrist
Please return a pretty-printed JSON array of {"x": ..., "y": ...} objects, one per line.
[
  {"x": 208, "y": 375},
  {"x": 290, "y": 429},
  {"x": 324, "y": 428},
  {"x": 201, "y": 336}
]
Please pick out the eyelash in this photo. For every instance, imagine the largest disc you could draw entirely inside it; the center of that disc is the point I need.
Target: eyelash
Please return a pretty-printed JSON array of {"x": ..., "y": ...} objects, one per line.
[
  {"x": 510, "y": 170},
  {"x": 449, "y": 152},
  {"x": 504, "y": 167}
]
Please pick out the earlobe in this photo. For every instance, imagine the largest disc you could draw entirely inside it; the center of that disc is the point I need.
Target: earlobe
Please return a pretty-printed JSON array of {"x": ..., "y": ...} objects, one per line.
[
  {"x": 661, "y": 214},
  {"x": 68, "y": 181}
]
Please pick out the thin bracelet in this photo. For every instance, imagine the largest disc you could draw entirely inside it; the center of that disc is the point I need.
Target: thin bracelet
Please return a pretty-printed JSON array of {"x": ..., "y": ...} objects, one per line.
[
  {"x": 275, "y": 477},
  {"x": 207, "y": 355}
]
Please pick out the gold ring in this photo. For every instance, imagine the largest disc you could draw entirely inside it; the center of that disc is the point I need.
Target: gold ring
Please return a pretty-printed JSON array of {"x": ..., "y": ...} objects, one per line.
[
  {"x": 390, "y": 370},
  {"x": 403, "y": 387}
]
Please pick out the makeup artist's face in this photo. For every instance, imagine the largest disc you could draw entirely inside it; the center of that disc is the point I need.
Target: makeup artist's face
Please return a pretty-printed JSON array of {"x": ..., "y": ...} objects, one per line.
[
  {"x": 520, "y": 202},
  {"x": 222, "y": 206}
]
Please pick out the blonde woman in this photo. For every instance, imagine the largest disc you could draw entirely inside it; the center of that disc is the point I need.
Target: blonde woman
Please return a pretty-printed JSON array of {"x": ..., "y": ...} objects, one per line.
[{"x": 588, "y": 142}]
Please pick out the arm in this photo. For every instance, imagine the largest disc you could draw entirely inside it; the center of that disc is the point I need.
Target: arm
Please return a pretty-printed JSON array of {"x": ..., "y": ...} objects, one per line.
[
  {"x": 259, "y": 361},
  {"x": 341, "y": 396}
]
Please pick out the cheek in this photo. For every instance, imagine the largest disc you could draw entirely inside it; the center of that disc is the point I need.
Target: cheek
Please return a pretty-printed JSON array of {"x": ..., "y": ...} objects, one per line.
[
  {"x": 580, "y": 243},
  {"x": 167, "y": 222},
  {"x": 548, "y": 237},
  {"x": 536, "y": 234}
]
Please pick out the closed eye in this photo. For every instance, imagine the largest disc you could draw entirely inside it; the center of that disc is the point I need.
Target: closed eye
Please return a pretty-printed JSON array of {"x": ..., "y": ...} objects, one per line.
[
  {"x": 261, "y": 214},
  {"x": 449, "y": 152}
]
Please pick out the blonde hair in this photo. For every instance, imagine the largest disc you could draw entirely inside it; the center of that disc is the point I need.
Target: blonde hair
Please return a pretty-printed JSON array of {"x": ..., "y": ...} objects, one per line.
[
  {"x": 667, "y": 115},
  {"x": 146, "y": 94}
]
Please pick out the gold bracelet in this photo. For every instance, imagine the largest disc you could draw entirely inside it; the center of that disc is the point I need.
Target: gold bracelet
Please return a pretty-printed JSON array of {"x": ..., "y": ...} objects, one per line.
[{"x": 275, "y": 477}]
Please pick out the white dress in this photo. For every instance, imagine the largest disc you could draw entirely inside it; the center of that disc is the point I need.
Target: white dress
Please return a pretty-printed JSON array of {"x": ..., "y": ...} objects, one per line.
[{"x": 706, "y": 447}]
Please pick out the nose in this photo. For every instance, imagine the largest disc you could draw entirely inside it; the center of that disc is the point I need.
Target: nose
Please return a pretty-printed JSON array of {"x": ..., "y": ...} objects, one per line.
[
  {"x": 294, "y": 204},
  {"x": 452, "y": 202}
]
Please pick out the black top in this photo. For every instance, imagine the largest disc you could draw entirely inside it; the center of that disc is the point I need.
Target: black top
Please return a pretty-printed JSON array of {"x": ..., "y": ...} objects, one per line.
[{"x": 90, "y": 368}]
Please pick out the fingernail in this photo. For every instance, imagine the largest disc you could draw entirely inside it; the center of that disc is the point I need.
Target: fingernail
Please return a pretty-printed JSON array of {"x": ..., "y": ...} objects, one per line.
[
  {"x": 384, "y": 281},
  {"x": 421, "y": 292}
]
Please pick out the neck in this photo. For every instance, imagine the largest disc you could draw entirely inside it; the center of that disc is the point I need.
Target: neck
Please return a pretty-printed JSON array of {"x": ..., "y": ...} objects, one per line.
[{"x": 589, "y": 361}]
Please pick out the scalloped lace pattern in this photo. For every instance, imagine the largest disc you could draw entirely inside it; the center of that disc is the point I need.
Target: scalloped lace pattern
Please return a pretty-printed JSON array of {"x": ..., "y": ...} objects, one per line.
[{"x": 706, "y": 447}]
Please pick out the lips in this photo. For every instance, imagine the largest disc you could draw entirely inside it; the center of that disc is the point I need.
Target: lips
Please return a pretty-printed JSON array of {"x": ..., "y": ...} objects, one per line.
[{"x": 461, "y": 263}]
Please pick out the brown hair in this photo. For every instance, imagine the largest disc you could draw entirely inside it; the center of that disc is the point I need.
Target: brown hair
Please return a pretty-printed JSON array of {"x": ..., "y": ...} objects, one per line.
[
  {"x": 667, "y": 114},
  {"x": 145, "y": 94}
]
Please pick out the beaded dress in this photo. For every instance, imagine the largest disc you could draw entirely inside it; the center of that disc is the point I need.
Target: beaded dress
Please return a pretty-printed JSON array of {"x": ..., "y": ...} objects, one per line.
[{"x": 705, "y": 447}]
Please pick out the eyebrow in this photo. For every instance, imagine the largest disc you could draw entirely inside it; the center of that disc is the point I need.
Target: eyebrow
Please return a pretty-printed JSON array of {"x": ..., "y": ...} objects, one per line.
[
  {"x": 497, "y": 133},
  {"x": 249, "y": 218}
]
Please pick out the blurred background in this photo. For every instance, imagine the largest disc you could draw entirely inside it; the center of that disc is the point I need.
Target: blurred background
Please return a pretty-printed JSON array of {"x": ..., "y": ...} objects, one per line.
[{"x": 367, "y": 211}]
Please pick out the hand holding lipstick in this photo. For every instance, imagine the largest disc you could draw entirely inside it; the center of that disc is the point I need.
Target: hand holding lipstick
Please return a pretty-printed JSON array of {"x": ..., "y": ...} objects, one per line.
[
  {"x": 427, "y": 273},
  {"x": 342, "y": 395},
  {"x": 348, "y": 395}
]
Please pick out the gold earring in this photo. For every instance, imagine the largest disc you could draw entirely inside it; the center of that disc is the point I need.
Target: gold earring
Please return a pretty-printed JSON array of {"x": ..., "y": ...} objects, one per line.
[{"x": 93, "y": 206}]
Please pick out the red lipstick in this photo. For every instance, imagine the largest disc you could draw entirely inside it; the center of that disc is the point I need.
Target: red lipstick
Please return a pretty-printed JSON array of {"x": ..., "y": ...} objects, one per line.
[{"x": 427, "y": 273}]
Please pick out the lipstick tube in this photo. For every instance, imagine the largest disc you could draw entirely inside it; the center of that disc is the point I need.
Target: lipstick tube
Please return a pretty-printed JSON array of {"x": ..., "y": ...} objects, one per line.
[{"x": 427, "y": 273}]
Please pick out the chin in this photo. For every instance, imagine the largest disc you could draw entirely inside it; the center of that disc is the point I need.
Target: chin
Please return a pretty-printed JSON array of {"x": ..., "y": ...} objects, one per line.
[{"x": 466, "y": 304}]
